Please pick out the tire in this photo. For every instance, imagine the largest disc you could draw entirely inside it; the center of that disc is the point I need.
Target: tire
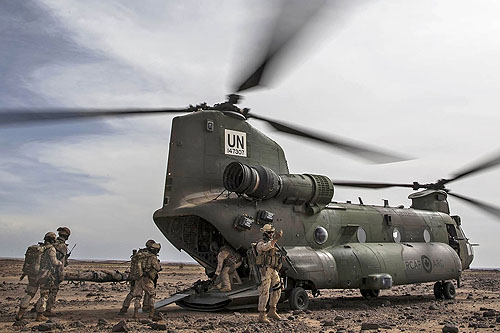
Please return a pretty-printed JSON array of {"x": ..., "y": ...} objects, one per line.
[
  {"x": 438, "y": 290},
  {"x": 369, "y": 293},
  {"x": 298, "y": 299},
  {"x": 449, "y": 290}
]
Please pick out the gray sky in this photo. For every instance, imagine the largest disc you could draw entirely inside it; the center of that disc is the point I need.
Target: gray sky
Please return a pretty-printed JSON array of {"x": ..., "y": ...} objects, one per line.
[{"x": 419, "y": 77}]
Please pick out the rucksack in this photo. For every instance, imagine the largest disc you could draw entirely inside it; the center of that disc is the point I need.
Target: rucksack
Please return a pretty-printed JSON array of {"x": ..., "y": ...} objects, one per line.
[
  {"x": 32, "y": 258},
  {"x": 136, "y": 271}
]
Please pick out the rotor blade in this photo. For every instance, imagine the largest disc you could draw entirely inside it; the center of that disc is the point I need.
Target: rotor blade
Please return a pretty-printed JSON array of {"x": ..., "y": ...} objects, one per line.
[
  {"x": 356, "y": 149},
  {"x": 495, "y": 211},
  {"x": 370, "y": 185},
  {"x": 479, "y": 167},
  {"x": 16, "y": 117},
  {"x": 288, "y": 24}
]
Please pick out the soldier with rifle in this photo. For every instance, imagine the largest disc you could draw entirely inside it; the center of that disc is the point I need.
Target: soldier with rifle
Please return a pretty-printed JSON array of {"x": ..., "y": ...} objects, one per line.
[
  {"x": 269, "y": 262},
  {"x": 62, "y": 255},
  {"x": 130, "y": 295},
  {"x": 35, "y": 268},
  {"x": 145, "y": 271}
]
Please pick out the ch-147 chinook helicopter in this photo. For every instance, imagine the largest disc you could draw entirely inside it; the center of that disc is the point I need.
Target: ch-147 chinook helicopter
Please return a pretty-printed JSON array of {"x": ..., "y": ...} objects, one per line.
[{"x": 225, "y": 179}]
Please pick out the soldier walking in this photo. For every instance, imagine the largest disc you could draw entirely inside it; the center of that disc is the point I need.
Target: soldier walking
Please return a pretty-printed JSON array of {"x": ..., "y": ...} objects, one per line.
[
  {"x": 45, "y": 278},
  {"x": 269, "y": 262},
  {"x": 31, "y": 269},
  {"x": 62, "y": 255},
  {"x": 228, "y": 260},
  {"x": 145, "y": 273},
  {"x": 130, "y": 295}
]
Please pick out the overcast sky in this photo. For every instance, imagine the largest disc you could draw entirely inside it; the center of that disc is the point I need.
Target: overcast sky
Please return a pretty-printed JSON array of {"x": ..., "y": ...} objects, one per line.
[{"x": 415, "y": 77}]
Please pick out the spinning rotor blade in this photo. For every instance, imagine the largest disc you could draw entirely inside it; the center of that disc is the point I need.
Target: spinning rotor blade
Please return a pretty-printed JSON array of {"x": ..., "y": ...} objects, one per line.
[
  {"x": 480, "y": 167},
  {"x": 370, "y": 185},
  {"x": 495, "y": 211},
  {"x": 289, "y": 23},
  {"x": 356, "y": 149},
  {"x": 17, "y": 117}
]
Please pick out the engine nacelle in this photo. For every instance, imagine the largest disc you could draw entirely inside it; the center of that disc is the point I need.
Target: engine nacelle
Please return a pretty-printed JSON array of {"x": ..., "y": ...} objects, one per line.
[{"x": 262, "y": 183}]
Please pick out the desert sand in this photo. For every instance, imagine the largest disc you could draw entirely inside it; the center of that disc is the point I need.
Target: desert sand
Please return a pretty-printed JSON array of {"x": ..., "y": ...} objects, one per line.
[{"x": 93, "y": 307}]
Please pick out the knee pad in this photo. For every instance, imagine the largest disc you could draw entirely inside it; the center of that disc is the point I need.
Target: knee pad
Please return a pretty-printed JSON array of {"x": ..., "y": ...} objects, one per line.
[{"x": 277, "y": 286}]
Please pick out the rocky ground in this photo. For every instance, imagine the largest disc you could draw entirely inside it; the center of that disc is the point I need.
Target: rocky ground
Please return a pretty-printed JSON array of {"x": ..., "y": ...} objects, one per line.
[{"x": 93, "y": 307}]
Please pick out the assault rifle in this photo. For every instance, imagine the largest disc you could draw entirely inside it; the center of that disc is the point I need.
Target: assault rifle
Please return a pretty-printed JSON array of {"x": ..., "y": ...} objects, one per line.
[
  {"x": 284, "y": 254},
  {"x": 69, "y": 253}
]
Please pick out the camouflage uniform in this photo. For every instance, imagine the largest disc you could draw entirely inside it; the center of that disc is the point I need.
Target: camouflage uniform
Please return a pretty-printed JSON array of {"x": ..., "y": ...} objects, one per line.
[
  {"x": 146, "y": 283},
  {"x": 31, "y": 290},
  {"x": 47, "y": 277},
  {"x": 62, "y": 255},
  {"x": 228, "y": 260},
  {"x": 128, "y": 299},
  {"x": 269, "y": 262}
]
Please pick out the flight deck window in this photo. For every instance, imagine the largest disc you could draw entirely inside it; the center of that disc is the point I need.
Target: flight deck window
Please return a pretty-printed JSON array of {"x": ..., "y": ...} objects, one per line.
[{"x": 320, "y": 235}]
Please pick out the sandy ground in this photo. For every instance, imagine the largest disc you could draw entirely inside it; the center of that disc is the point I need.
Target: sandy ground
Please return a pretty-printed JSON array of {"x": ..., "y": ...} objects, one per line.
[{"x": 93, "y": 307}]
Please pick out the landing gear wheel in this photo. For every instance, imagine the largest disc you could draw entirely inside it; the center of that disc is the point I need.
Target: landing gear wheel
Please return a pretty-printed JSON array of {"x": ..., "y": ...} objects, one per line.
[
  {"x": 298, "y": 299},
  {"x": 438, "y": 290},
  {"x": 367, "y": 293},
  {"x": 449, "y": 290}
]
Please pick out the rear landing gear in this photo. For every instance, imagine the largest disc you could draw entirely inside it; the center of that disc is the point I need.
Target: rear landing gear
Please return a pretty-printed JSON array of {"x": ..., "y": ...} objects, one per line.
[
  {"x": 444, "y": 290},
  {"x": 369, "y": 293}
]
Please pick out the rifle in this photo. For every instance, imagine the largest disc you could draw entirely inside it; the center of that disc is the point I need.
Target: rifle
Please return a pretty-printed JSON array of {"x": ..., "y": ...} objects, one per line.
[
  {"x": 284, "y": 254},
  {"x": 69, "y": 253}
]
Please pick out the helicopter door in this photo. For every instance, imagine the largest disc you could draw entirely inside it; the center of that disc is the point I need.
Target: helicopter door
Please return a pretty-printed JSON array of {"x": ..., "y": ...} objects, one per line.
[{"x": 453, "y": 238}]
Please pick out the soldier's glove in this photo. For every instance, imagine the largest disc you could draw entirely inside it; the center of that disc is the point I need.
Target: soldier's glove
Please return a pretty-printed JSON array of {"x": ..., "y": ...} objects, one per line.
[
  {"x": 278, "y": 235},
  {"x": 214, "y": 277}
]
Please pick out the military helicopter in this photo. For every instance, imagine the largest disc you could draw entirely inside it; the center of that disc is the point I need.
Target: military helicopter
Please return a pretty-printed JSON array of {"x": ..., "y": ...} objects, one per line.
[{"x": 225, "y": 179}]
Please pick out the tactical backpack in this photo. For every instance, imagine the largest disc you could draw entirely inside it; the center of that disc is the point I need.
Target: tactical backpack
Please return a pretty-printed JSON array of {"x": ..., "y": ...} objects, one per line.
[
  {"x": 136, "y": 271},
  {"x": 32, "y": 258}
]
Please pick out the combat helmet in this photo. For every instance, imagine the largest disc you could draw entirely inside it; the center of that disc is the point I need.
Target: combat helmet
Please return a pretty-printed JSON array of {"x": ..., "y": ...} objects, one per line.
[
  {"x": 64, "y": 231},
  {"x": 50, "y": 237},
  {"x": 149, "y": 243},
  {"x": 267, "y": 228},
  {"x": 155, "y": 247}
]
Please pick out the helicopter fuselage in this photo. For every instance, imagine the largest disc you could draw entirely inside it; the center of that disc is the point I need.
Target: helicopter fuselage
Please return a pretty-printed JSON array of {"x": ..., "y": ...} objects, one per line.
[{"x": 331, "y": 245}]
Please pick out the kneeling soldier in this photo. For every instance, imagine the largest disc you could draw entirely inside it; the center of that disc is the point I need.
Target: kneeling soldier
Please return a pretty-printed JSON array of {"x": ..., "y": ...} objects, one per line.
[{"x": 228, "y": 260}]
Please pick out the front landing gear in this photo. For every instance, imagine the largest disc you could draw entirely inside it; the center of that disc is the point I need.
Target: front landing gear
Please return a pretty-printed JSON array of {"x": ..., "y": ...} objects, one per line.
[{"x": 444, "y": 290}]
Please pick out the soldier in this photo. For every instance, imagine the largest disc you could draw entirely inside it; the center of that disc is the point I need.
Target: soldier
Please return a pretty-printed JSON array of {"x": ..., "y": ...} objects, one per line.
[
  {"x": 269, "y": 262},
  {"x": 49, "y": 266},
  {"x": 31, "y": 268},
  {"x": 130, "y": 295},
  {"x": 146, "y": 273},
  {"x": 228, "y": 260},
  {"x": 62, "y": 255}
]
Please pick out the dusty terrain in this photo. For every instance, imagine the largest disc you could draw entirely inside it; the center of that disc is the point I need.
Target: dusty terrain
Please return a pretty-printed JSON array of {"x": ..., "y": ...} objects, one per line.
[{"x": 93, "y": 307}]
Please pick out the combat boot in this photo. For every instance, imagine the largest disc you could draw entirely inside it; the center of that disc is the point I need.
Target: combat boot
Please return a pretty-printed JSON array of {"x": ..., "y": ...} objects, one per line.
[
  {"x": 225, "y": 289},
  {"x": 136, "y": 313},
  {"x": 273, "y": 314},
  {"x": 123, "y": 311},
  {"x": 20, "y": 314},
  {"x": 49, "y": 313},
  {"x": 41, "y": 317},
  {"x": 263, "y": 317},
  {"x": 153, "y": 315}
]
